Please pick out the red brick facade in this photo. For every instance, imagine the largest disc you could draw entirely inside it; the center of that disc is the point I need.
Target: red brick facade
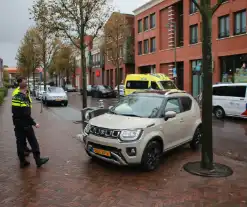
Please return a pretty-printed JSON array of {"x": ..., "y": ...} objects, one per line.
[
  {"x": 110, "y": 74},
  {"x": 163, "y": 57}
]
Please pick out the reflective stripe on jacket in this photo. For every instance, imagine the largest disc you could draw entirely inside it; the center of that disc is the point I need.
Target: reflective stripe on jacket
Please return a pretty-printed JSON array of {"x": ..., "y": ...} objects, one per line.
[
  {"x": 16, "y": 103},
  {"x": 20, "y": 100}
]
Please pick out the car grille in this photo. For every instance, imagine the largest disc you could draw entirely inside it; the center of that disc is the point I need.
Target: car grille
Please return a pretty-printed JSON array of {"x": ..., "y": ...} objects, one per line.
[
  {"x": 58, "y": 97},
  {"x": 104, "y": 132}
]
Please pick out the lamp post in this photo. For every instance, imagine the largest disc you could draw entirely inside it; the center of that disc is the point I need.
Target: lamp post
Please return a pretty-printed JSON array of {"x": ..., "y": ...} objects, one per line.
[{"x": 172, "y": 25}]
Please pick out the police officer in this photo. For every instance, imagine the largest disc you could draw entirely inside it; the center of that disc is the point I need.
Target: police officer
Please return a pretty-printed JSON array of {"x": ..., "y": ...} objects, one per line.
[
  {"x": 16, "y": 91},
  {"x": 24, "y": 123}
]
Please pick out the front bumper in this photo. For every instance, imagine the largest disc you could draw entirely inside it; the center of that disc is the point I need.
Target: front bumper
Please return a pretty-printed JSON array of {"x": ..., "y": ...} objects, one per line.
[
  {"x": 57, "y": 101},
  {"x": 110, "y": 95},
  {"x": 116, "y": 148}
]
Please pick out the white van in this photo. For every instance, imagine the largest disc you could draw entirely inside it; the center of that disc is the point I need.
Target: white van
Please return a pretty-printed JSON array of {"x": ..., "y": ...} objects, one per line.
[{"x": 230, "y": 99}]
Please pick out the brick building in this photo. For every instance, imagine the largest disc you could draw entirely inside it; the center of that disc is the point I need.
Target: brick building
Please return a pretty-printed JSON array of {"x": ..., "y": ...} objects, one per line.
[
  {"x": 97, "y": 62},
  {"x": 154, "y": 40},
  {"x": 126, "y": 48},
  {"x": 78, "y": 72}
]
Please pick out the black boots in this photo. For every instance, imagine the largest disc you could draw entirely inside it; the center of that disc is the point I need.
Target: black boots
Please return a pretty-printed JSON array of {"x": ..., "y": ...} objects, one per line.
[{"x": 41, "y": 161}]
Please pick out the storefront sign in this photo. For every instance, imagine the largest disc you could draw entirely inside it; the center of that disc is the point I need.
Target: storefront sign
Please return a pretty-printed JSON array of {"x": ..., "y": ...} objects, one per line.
[
  {"x": 97, "y": 73},
  {"x": 174, "y": 72}
]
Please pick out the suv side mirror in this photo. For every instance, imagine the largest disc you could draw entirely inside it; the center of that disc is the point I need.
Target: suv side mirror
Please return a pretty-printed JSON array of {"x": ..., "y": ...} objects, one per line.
[
  {"x": 110, "y": 107},
  {"x": 170, "y": 114}
]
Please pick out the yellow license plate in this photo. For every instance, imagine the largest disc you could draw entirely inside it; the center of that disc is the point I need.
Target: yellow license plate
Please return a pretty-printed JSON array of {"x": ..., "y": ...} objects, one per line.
[
  {"x": 58, "y": 99},
  {"x": 102, "y": 152}
]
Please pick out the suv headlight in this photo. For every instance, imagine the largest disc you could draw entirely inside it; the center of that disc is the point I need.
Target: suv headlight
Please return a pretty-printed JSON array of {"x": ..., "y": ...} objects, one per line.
[
  {"x": 87, "y": 128},
  {"x": 130, "y": 135}
]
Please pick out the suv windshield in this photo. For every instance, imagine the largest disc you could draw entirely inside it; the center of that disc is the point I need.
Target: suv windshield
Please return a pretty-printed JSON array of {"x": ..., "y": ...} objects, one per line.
[
  {"x": 103, "y": 87},
  {"x": 69, "y": 86},
  {"x": 55, "y": 90},
  {"x": 168, "y": 85},
  {"x": 145, "y": 106}
]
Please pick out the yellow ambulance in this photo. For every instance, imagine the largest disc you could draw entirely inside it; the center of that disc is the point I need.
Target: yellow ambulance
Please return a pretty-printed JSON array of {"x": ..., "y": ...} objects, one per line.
[{"x": 155, "y": 81}]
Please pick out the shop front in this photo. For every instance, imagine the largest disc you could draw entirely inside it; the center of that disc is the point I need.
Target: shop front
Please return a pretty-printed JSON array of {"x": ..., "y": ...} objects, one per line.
[{"x": 232, "y": 69}]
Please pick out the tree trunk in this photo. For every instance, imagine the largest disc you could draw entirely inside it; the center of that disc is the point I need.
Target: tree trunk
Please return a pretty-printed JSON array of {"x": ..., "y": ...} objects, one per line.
[
  {"x": 44, "y": 60},
  {"x": 84, "y": 71},
  {"x": 33, "y": 82},
  {"x": 74, "y": 72},
  {"x": 118, "y": 81},
  {"x": 207, "y": 138},
  {"x": 59, "y": 79},
  {"x": 28, "y": 77}
]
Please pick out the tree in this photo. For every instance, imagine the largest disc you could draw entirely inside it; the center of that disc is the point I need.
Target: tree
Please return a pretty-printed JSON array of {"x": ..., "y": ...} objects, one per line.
[
  {"x": 75, "y": 20},
  {"x": 62, "y": 63},
  {"x": 5, "y": 76},
  {"x": 47, "y": 37},
  {"x": 116, "y": 32},
  {"x": 207, "y": 12},
  {"x": 28, "y": 55}
]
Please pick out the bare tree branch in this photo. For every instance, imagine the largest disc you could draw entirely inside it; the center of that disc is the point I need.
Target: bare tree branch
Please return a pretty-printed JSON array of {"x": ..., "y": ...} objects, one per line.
[
  {"x": 198, "y": 7},
  {"x": 216, "y": 6}
]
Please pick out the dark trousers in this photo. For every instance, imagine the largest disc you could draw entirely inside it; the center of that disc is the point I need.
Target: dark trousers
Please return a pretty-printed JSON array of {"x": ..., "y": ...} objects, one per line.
[{"x": 22, "y": 134}]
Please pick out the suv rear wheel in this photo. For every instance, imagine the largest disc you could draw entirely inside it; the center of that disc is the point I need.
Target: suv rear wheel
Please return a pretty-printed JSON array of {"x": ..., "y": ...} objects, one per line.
[
  {"x": 151, "y": 156},
  {"x": 219, "y": 112}
]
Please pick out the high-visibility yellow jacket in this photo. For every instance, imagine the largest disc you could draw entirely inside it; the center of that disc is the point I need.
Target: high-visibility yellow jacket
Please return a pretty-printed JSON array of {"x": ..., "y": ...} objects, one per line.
[
  {"x": 17, "y": 102},
  {"x": 21, "y": 111}
]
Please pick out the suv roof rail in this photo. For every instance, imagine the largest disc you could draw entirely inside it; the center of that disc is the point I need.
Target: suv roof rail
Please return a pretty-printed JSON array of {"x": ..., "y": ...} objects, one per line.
[{"x": 172, "y": 92}]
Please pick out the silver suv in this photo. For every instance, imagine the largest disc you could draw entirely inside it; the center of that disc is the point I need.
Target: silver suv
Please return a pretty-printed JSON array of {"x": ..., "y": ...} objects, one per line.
[{"x": 142, "y": 126}]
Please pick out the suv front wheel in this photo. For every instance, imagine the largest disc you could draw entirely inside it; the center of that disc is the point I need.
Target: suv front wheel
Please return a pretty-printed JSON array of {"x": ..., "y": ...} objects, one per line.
[
  {"x": 151, "y": 156},
  {"x": 196, "y": 141}
]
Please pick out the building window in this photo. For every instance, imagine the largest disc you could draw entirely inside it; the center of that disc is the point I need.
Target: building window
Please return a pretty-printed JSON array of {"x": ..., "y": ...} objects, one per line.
[
  {"x": 145, "y": 23},
  {"x": 146, "y": 46},
  {"x": 193, "y": 7},
  {"x": 153, "y": 44},
  {"x": 152, "y": 21},
  {"x": 240, "y": 22},
  {"x": 140, "y": 48},
  {"x": 193, "y": 34},
  {"x": 224, "y": 26},
  {"x": 139, "y": 25}
]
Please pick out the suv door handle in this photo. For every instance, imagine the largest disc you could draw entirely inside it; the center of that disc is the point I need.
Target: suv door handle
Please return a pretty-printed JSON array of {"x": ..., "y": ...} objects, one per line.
[
  {"x": 181, "y": 120},
  {"x": 241, "y": 99}
]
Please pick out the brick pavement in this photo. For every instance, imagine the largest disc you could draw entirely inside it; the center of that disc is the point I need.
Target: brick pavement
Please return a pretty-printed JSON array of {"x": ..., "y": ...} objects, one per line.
[{"x": 72, "y": 179}]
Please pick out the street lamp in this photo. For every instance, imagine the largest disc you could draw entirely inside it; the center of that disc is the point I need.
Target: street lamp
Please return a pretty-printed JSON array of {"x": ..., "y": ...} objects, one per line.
[{"x": 172, "y": 25}]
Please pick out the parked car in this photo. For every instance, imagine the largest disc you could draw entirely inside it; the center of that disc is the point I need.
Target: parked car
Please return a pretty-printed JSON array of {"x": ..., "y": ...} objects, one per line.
[
  {"x": 89, "y": 90},
  {"x": 55, "y": 95},
  {"x": 156, "y": 81},
  {"x": 70, "y": 88},
  {"x": 121, "y": 90},
  {"x": 230, "y": 99},
  {"x": 40, "y": 91},
  {"x": 142, "y": 126},
  {"x": 102, "y": 91}
]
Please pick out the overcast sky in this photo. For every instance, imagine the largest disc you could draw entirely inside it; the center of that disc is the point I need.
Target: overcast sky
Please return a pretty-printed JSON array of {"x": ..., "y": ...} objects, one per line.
[{"x": 14, "y": 21}]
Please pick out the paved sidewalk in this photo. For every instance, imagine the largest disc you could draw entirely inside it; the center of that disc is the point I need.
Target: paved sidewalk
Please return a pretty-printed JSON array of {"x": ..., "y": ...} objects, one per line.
[{"x": 71, "y": 179}]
